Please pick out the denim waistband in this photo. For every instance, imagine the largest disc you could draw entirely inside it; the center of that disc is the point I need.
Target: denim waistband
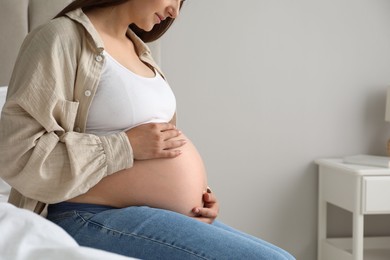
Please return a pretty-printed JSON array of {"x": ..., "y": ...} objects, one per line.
[{"x": 72, "y": 206}]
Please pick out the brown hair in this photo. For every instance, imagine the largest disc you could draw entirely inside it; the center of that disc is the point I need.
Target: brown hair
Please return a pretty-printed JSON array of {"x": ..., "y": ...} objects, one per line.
[{"x": 157, "y": 31}]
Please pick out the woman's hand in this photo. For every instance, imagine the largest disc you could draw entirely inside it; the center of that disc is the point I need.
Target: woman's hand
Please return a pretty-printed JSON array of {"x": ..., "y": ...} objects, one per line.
[
  {"x": 154, "y": 140},
  {"x": 210, "y": 210}
]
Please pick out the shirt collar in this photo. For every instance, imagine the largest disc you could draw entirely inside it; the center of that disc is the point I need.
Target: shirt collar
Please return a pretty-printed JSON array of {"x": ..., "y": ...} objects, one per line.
[
  {"x": 79, "y": 16},
  {"x": 140, "y": 46}
]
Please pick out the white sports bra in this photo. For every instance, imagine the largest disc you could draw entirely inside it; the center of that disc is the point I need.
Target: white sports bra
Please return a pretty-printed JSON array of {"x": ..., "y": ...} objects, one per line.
[{"x": 124, "y": 100}]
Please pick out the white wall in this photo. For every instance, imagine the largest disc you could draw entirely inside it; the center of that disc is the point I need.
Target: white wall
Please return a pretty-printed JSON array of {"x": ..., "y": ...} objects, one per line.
[{"x": 264, "y": 87}]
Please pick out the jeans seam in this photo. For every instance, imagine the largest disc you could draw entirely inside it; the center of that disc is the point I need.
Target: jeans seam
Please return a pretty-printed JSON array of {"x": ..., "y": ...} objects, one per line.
[{"x": 138, "y": 236}]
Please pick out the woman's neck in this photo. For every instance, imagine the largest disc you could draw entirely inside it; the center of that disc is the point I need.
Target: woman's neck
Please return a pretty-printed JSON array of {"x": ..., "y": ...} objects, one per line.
[{"x": 109, "y": 21}]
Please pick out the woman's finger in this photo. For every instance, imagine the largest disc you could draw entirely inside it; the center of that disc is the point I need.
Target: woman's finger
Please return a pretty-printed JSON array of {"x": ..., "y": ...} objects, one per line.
[{"x": 174, "y": 144}]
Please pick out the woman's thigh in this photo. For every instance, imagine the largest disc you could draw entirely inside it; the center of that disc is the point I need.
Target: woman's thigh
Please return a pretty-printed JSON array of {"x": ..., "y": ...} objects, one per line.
[{"x": 149, "y": 233}]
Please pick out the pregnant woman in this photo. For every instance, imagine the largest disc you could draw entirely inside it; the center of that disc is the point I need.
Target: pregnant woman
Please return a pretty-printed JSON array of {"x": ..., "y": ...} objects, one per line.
[{"x": 88, "y": 139}]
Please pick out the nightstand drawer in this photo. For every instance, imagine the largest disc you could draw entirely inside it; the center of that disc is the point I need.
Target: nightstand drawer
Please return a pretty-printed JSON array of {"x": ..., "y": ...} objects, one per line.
[{"x": 376, "y": 194}]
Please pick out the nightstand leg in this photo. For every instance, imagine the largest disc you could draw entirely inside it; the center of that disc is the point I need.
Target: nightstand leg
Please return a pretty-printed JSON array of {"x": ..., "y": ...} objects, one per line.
[
  {"x": 358, "y": 236},
  {"x": 322, "y": 207}
]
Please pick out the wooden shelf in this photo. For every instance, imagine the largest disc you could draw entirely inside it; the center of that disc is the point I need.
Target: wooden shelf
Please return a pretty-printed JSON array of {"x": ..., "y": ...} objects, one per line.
[{"x": 375, "y": 248}]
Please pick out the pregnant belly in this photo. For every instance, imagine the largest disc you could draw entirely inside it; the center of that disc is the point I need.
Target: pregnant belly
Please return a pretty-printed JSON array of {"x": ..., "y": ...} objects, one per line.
[{"x": 175, "y": 184}]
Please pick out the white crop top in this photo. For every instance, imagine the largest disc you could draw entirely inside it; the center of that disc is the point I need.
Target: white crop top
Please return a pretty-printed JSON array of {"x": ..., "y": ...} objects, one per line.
[{"x": 124, "y": 100}]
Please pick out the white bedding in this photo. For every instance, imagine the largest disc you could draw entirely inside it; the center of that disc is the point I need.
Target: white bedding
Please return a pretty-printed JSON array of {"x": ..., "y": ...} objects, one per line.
[{"x": 27, "y": 236}]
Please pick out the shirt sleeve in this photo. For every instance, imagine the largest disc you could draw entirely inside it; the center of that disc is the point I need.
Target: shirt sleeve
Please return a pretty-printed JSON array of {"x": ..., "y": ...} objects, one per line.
[{"x": 40, "y": 154}]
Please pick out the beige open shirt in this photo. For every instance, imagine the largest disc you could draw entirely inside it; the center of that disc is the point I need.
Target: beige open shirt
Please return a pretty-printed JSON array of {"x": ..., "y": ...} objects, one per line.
[{"x": 44, "y": 153}]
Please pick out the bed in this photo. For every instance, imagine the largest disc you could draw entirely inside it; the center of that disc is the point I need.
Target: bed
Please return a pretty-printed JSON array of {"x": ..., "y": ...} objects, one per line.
[{"x": 25, "y": 235}]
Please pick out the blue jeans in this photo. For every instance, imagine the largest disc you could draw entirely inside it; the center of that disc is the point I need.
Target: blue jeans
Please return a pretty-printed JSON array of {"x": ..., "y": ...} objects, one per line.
[{"x": 149, "y": 233}]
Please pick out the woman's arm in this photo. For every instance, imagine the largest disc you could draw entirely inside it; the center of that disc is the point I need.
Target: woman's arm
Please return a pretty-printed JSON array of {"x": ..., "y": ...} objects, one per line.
[{"x": 41, "y": 153}]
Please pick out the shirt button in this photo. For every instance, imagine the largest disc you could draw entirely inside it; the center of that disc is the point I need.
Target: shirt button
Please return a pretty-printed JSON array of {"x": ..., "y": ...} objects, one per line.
[
  {"x": 87, "y": 93},
  {"x": 77, "y": 129},
  {"x": 99, "y": 58}
]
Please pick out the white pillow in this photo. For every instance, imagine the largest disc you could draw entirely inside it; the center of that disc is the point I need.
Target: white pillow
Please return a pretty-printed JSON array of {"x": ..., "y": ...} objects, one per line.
[{"x": 4, "y": 187}]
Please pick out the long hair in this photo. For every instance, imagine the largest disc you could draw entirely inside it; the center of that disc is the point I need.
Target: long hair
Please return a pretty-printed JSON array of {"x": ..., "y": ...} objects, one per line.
[{"x": 157, "y": 31}]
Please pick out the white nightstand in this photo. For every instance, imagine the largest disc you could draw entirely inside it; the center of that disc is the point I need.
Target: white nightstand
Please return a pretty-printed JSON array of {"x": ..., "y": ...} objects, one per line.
[{"x": 362, "y": 190}]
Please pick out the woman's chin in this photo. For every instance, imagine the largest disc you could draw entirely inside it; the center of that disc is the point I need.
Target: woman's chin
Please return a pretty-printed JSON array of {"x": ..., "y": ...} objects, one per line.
[{"x": 147, "y": 28}]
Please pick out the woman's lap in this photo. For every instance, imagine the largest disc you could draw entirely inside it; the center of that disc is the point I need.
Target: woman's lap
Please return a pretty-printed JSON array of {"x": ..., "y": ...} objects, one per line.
[{"x": 149, "y": 233}]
